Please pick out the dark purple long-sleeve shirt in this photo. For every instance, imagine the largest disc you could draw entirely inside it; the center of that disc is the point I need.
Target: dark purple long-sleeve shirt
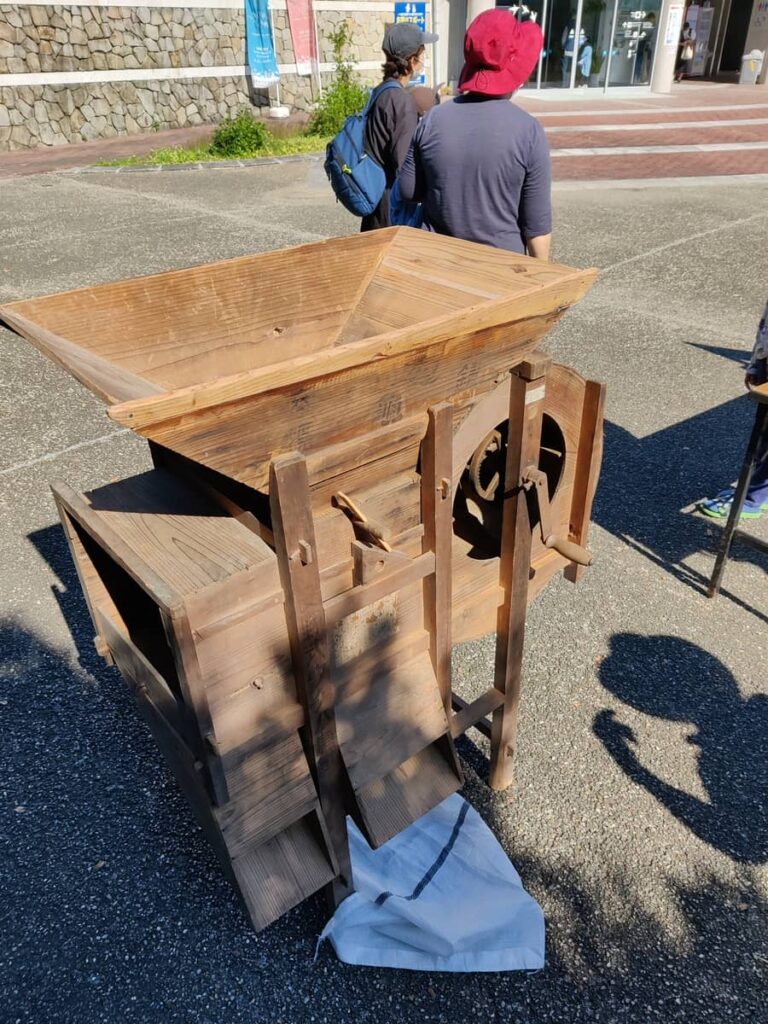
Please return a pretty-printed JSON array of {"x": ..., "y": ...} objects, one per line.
[{"x": 481, "y": 169}]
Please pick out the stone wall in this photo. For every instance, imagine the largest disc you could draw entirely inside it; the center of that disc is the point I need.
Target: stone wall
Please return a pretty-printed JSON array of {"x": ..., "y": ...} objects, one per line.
[{"x": 93, "y": 39}]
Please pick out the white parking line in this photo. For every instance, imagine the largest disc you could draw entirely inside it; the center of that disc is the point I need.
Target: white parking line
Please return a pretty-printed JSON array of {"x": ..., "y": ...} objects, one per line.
[
  {"x": 706, "y": 147},
  {"x": 51, "y": 456},
  {"x": 656, "y": 126}
]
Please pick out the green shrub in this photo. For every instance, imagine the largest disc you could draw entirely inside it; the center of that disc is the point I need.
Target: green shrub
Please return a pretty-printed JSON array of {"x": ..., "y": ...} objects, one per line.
[
  {"x": 242, "y": 136},
  {"x": 345, "y": 95}
]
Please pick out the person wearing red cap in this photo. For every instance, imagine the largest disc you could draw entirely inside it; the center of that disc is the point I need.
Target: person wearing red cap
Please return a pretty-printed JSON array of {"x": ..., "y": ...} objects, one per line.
[
  {"x": 393, "y": 117},
  {"x": 480, "y": 165}
]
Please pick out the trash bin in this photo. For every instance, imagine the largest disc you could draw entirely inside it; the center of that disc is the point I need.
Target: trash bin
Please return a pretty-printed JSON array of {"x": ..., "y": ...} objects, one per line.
[{"x": 751, "y": 66}]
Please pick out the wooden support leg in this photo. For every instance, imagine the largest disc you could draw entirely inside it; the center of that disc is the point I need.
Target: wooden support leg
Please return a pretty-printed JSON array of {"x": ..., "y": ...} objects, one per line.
[
  {"x": 296, "y": 551},
  {"x": 587, "y": 471},
  {"x": 437, "y": 516},
  {"x": 528, "y": 387}
]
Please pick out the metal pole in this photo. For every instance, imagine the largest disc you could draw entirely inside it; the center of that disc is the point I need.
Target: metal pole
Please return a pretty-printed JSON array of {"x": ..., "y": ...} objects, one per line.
[
  {"x": 544, "y": 12},
  {"x": 610, "y": 44}
]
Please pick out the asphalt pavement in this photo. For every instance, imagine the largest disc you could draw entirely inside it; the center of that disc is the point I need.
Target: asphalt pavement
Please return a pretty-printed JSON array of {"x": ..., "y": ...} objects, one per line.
[{"x": 640, "y": 819}]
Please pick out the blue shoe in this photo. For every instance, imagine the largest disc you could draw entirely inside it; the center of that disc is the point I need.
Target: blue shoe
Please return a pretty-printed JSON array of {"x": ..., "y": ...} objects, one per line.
[{"x": 719, "y": 507}]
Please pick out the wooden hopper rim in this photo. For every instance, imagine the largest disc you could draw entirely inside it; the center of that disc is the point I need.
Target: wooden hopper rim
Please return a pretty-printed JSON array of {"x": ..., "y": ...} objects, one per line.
[{"x": 151, "y": 404}]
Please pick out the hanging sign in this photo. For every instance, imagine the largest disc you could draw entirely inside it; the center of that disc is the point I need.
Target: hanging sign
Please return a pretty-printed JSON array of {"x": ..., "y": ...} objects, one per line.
[
  {"x": 301, "y": 18},
  {"x": 260, "y": 46}
]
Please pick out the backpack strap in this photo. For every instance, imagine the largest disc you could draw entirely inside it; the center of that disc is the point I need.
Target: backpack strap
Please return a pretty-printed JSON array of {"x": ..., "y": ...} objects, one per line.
[{"x": 377, "y": 91}]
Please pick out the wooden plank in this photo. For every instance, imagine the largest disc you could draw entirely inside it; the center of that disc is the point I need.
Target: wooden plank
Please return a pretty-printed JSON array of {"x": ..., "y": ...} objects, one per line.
[
  {"x": 387, "y": 583},
  {"x": 474, "y": 714},
  {"x": 541, "y": 302},
  {"x": 107, "y": 538},
  {"x": 186, "y": 538},
  {"x": 193, "y": 687},
  {"x": 279, "y": 874},
  {"x": 587, "y": 470},
  {"x": 391, "y": 803},
  {"x": 185, "y": 326},
  {"x": 358, "y": 674},
  {"x": 276, "y": 789},
  {"x": 308, "y": 637},
  {"x": 437, "y": 516},
  {"x": 111, "y": 383},
  {"x": 141, "y": 675},
  {"x": 525, "y": 413},
  {"x": 96, "y": 595},
  {"x": 381, "y": 444},
  {"x": 240, "y": 437},
  {"x": 387, "y": 721}
]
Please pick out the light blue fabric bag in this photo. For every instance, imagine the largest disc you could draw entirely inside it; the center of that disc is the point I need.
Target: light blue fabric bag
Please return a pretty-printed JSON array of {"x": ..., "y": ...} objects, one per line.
[{"x": 441, "y": 896}]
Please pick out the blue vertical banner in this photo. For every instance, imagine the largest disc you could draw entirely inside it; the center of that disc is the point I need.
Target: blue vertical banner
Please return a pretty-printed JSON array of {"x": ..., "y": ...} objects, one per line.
[
  {"x": 415, "y": 11},
  {"x": 260, "y": 46}
]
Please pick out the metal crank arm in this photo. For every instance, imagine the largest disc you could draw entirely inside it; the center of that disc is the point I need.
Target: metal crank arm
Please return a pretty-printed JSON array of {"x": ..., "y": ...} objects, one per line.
[{"x": 534, "y": 481}]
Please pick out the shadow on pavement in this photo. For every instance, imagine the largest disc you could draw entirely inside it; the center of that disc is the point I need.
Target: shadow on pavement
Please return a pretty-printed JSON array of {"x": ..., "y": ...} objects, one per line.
[
  {"x": 670, "y": 678},
  {"x": 645, "y": 482},
  {"x": 114, "y": 907}
]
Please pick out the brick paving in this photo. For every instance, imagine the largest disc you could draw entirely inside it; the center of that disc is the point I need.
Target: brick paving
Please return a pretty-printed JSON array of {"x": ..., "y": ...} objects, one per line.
[{"x": 574, "y": 118}]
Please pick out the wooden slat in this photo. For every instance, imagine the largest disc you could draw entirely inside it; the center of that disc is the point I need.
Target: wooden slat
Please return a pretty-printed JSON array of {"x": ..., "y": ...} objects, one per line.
[
  {"x": 587, "y": 470},
  {"x": 275, "y": 790},
  {"x": 474, "y": 713},
  {"x": 540, "y": 301},
  {"x": 239, "y": 438},
  {"x": 388, "y": 721},
  {"x": 279, "y": 874},
  {"x": 308, "y": 638},
  {"x": 110, "y": 382},
  {"x": 437, "y": 516},
  {"x": 388, "y": 583},
  {"x": 391, "y": 803},
  {"x": 358, "y": 674},
  {"x": 525, "y": 412},
  {"x": 141, "y": 675}
]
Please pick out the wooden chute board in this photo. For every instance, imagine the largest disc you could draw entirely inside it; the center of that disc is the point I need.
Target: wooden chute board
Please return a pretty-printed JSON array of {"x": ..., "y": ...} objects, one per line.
[{"x": 329, "y": 426}]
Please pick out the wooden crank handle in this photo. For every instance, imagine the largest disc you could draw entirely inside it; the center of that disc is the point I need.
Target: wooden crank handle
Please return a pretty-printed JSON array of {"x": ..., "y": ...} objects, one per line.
[{"x": 569, "y": 549}]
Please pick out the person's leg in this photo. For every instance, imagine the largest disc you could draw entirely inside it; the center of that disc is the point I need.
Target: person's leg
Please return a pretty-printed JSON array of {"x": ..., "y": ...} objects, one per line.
[{"x": 758, "y": 488}]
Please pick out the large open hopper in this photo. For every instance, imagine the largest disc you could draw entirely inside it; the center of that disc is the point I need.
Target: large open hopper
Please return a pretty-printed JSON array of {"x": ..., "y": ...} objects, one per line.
[{"x": 185, "y": 358}]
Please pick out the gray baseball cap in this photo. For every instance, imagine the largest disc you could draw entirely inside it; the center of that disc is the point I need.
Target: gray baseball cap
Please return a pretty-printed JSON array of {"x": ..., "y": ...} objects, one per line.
[{"x": 404, "y": 39}]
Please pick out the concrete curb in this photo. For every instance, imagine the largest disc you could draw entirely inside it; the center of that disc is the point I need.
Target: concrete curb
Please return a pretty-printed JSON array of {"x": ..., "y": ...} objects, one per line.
[{"x": 203, "y": 165}]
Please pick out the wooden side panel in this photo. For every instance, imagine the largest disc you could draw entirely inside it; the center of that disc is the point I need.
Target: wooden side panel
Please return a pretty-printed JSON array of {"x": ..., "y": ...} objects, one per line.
[{"x": 239, "y": 438}]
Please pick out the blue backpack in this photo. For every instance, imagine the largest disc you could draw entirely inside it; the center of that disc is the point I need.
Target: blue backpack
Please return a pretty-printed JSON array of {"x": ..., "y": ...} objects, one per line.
[{"x": 358, "y": 181}]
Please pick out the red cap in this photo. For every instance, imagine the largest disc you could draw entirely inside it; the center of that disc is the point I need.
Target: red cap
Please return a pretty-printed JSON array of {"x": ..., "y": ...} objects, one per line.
[{"x": 500, "y": 53}]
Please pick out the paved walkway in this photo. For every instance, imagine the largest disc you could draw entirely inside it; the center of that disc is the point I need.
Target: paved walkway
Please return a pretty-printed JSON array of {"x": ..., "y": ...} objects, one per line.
[{"x": 697, "y": 130}]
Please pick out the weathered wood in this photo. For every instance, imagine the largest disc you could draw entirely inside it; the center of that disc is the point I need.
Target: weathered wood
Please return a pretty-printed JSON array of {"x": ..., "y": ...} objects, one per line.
[
  {"x": 525, "y": 412},
  {"x": 589, "y": 457},
  {"x": 474, "y": 713},
  {"x": 296, "y": 655},
  {"x": 437, "y": 516},
  {"x": 307, "y": 634},
  {"x": 387, "y": 583},
  {"x": 238, "y": 435}
]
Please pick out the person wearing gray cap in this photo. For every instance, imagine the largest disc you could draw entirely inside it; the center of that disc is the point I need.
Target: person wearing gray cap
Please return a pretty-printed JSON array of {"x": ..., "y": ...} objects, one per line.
[{"x": 393, "y": 117}]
